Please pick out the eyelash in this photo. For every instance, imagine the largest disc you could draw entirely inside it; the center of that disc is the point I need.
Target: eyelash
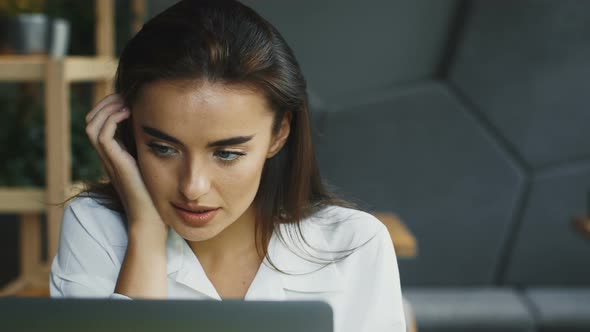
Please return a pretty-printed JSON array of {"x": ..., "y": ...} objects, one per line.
[
  {"x": 236, "y": 155},
  {"x": 157, "y": 150}
]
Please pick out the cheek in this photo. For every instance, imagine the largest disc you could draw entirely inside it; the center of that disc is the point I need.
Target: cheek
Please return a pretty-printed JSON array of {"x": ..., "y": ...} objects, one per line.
[
  {"x": 242, "y": 180},
  {"x": 153, "y": 171}
]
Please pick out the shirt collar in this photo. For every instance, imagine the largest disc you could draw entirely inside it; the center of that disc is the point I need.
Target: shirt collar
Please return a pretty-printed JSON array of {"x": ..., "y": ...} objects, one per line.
[
  {"x": 303, "y": 272},
  {"x": 188, "y": 271},
  {"x": 305, "y": 261}
]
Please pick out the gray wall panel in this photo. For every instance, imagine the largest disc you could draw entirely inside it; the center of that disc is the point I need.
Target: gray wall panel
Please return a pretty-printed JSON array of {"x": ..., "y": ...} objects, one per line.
[
  {"x": 350, "y": 48},
  {"x": 525, "y": 65},
  {"x": 422, "y": 156},
  {"x": 547, "y": 250}
]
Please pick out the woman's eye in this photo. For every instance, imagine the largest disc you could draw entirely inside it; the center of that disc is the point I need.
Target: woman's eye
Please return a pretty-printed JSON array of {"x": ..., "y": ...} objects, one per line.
[
  {"x": 161, "y": 150},
  {"x": 228, "y": 155}
]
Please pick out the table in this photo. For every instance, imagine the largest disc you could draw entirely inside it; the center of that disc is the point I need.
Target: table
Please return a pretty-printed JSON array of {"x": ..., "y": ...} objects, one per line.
[
  {"x": 582, "y": 225},
  {"x": 405, "y": 246},
  {"x": 404, "y": 241}
]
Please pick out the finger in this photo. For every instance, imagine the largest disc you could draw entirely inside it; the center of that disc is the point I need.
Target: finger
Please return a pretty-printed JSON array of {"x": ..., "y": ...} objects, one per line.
[
  {"x": 107, "y": 100},
  {"x": 110, "y": 105},
  {"x": 109, "y": 150},
  {"x": 93, "y": 130},
  {"x": 95, "y": 125},
  {"x": 107, "y": 142}
]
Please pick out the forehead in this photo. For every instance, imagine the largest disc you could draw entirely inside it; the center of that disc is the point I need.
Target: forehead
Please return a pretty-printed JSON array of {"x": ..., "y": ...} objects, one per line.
[{"x": 206, "y": 110}]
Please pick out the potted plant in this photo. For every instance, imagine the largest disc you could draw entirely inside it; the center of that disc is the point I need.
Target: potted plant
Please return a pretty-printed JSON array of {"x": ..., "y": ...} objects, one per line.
[{"x": 25, "y": 28}]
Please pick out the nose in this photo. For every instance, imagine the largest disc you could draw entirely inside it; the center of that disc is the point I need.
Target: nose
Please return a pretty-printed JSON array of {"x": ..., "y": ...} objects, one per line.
[{"x": 194, "y": 182}]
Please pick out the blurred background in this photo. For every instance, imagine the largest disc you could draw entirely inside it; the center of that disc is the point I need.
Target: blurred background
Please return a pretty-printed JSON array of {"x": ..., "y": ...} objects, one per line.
[{"x": 466, "y": 119}]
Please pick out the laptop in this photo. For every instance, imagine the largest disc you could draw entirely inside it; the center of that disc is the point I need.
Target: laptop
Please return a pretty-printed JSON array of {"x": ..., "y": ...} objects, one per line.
[{"x": 93, "y": 315}]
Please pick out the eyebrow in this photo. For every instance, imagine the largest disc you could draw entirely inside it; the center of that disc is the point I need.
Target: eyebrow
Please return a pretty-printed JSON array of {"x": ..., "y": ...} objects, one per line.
[
  {"x": 230, "y": 141},
  {"x": 222, "y": 142},
  {"x": 158, "y": 134}
]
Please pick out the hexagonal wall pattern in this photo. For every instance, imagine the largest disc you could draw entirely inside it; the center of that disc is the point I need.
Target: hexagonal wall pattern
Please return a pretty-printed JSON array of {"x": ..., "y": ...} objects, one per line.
[
  {"x": 547, "y": 245},
  {"x": 350, "y": 48},
  {"x": 421, "y": 155},
  {"x": 524, "y": 64}
]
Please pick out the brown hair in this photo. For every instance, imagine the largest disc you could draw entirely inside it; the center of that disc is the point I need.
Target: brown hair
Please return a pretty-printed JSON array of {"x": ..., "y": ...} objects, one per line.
[{"x": 224, "y": 41}]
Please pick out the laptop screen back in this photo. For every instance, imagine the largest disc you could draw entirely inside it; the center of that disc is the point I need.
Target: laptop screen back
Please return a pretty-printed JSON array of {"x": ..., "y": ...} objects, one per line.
[{"x": 89, "y": 315}]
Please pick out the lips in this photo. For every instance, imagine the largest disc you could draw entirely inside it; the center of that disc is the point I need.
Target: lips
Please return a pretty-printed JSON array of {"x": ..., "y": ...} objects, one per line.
[{"x": 197, "y": 215}]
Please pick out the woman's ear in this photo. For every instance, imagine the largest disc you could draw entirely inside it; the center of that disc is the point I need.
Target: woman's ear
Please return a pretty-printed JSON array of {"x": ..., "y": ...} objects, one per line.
[{"x": 280, "y": 138}]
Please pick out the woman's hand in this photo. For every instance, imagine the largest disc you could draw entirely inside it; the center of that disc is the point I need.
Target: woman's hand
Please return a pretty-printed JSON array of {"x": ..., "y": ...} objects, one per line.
[
  {"x": 143, "y": 271},
  {"x": 120, "y": 166}
]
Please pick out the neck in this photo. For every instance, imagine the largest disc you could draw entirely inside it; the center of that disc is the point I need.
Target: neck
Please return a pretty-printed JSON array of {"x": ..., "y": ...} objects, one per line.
[{"x": 237, "y": 241}]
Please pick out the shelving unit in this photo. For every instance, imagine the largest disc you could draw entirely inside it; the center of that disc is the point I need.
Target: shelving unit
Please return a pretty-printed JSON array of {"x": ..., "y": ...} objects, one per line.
[{"x": 57, "y": 74}]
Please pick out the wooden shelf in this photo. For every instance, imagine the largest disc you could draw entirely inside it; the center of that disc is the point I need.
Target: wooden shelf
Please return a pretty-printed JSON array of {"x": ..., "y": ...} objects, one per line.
[
  {"x": 28, "y": 200},
  {"x": 56, "y": 74},
  {"x": 76, "y": 68},
  {"x": 19, "y": 200}
]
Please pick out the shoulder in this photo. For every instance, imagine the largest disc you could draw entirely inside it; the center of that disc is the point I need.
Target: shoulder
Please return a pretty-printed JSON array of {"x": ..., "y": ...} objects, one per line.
[
  {"x": 100, "y": 222},
  {"x": 343, "y": 227}
]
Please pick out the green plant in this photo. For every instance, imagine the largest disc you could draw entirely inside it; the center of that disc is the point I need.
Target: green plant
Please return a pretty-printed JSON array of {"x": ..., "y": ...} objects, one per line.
[
  {"x": 52, "y": 8},
  {"x": 22, "y": 138},
  {"x": 15, "y": 7},
  {"x": 22, "y": 133}
]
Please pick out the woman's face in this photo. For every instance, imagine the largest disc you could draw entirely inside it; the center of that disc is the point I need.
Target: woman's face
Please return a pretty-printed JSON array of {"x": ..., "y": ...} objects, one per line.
[{"x": 201, "y": 149}]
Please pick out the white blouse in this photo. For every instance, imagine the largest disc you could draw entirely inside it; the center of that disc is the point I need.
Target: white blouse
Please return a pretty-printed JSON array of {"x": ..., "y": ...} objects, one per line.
[{"x": 363, "y": 289}]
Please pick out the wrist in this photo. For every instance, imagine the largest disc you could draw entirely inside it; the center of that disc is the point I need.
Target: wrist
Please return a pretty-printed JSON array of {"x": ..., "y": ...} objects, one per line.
[{"x": 150, "y": 234}]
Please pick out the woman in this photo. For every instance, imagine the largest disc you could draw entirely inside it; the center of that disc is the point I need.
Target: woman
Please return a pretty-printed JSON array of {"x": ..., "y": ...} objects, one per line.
[{"x": 214, "y": 191}]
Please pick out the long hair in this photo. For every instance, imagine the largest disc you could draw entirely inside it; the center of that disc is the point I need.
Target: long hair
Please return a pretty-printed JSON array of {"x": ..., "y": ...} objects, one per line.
[{"x": 226, "y": 42}]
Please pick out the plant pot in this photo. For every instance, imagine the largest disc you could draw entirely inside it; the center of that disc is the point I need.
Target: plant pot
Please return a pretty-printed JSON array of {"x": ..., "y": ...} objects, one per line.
[{"x": 34, "y": 34}]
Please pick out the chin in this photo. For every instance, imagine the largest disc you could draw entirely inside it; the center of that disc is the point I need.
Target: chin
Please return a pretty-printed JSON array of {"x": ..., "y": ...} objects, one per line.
[{"x": 195, "y": 234}]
